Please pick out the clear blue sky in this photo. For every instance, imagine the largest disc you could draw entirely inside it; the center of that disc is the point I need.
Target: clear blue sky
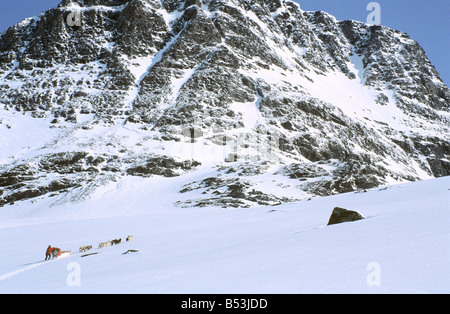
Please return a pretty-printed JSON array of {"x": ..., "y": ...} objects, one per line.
[{"x": 428, "y": 22}]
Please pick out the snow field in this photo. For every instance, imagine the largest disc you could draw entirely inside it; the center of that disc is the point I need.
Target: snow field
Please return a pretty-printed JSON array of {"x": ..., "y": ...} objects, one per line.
[{"x": 401, "y": 247}]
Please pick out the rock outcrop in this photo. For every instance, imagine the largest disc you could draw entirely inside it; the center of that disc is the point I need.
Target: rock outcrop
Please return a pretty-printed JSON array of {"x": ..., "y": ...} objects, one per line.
[{"x": 340, "y": 215}]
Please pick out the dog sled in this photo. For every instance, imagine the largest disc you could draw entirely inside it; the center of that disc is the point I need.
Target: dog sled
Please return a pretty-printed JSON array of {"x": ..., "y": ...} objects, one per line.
[
  {"x": 60, "y": 254},
  {"x": 54, "y": 253},
  {"x": 63, "y": 254}
]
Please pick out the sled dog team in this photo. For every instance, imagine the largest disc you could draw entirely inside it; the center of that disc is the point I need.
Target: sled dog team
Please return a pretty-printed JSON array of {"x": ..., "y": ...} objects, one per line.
[{"x": 102, "y": 245}]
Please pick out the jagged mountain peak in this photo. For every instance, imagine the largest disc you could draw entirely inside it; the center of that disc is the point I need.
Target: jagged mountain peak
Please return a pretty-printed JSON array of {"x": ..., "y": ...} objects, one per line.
[{"x": 253, "y": 89}]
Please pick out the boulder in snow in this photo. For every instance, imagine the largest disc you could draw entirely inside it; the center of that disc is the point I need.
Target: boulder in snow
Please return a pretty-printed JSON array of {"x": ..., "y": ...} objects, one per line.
[{"x": 340, "y": 215}]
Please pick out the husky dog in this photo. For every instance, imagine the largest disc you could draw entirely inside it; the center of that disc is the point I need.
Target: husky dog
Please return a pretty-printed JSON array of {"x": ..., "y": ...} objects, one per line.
[
  {"x": 129, "y": 238},
  {"x": 104, "y": 244},
  {"x": 85, "y": 248},
  {"x": 116, "y": 242}
]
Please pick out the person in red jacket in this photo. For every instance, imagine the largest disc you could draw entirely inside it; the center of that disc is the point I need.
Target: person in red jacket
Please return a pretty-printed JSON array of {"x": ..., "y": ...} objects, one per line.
[
  {"x": 51, "y": 252},
  {"x": 48, "y": 253}
]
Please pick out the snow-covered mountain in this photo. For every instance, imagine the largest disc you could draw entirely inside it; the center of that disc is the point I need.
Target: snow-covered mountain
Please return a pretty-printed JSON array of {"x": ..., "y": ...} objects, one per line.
[{"x": 264, "y": 102}]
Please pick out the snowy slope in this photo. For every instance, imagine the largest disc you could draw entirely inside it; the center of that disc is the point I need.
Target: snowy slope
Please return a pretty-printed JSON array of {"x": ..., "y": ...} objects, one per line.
[
  {"x": 403, "y": 243},
  {"x": 155, "y": 118}
]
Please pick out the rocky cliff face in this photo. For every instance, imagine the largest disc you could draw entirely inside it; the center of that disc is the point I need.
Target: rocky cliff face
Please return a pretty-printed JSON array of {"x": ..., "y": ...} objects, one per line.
[{"x": 280, "y": 103}]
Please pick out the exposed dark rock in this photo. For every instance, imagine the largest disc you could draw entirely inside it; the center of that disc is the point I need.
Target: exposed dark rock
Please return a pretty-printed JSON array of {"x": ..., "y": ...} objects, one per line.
[
  {"x": 340, "y": 215},
  {"x": 77, "y": 169},
  {"x": 163, "y": 166}
]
